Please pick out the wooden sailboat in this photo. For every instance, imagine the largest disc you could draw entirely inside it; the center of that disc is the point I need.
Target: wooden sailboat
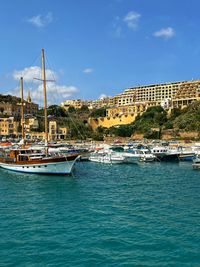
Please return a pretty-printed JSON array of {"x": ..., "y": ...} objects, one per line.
[{"x": 37, "y": 161}]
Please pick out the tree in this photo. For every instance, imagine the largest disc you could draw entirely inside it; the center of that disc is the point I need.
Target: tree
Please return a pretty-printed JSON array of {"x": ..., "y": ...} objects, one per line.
[
  {"x": 101, "y": 112},
  {"x": 122, "y": 130},
  {"x": 97, "y": 136},
  {"x": 56, "y": 111},
  {"x": 71, "y": 109},
  {"x": 153, "y": 117},
  {"x": 152, "y": 134},
  {"x": 100, "y": 129},
  {"x": 84, "y": 109},
  {"x": 125, "y": 130}
]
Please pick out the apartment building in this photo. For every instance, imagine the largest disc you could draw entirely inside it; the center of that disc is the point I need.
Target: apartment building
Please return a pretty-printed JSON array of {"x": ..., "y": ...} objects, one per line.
[
  {"x": 8, "y": 126},
  {"x": 91, "y": 104},
  {"x": 126, "y": 106},
  {"x": 56, "y": 132},
  {"x": 14, "y": 109},
  {"x": 30, "y": 123},
  {"x": 76, "y": 103},
  {"x": 168, "y": 95}
]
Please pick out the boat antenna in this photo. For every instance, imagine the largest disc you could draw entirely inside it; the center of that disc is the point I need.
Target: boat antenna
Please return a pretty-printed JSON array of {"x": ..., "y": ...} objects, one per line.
[{"x": 22, "y": 110}]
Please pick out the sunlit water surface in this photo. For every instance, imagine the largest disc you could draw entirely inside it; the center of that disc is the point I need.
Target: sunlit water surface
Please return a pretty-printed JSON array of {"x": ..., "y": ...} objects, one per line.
[{"x": 103, "y": 215}]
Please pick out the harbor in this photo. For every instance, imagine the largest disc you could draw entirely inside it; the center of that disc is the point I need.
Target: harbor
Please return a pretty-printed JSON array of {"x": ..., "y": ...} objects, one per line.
[
  {"x": 99, "y": 133},
  {"x": 133, "y": 201},
  {"x": 101, "y": 203}
]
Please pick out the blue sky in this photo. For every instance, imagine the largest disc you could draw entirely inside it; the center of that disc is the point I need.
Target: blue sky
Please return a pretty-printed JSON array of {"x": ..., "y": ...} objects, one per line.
[{"x": 98, "y": 47}]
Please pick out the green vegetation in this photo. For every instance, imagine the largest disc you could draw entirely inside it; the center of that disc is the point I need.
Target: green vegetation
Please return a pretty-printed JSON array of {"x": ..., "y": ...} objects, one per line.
[
  {"x": 101, "y": 112},
  {"x": 9, "y": 99},
  {"x": 189, "y": 119},
  {"x": 155, "y": 119},
  {"x": 73, "y": 119},
  {"x": 122, "y": 130},
  {"x": 151, "y": 123},
  {"x": 56, "y": 111},
  {"x": 71, "y": 110}
]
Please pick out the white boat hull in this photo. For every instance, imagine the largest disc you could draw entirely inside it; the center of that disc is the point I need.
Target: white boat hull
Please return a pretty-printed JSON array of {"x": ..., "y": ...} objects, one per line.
[
  {"x": 106, "y": 159},
  {"x": 57, "y": 168},
  {"x": 147, "y": 158},
  {"x": 132, "y": 159}
]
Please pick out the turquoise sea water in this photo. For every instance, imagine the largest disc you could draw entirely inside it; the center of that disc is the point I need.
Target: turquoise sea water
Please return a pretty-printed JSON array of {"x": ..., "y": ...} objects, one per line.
[{"x": 119, "y": 215}]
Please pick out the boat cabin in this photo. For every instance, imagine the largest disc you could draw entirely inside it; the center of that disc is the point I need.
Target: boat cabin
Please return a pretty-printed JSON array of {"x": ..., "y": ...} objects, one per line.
[{"x": 26, "y": 154}]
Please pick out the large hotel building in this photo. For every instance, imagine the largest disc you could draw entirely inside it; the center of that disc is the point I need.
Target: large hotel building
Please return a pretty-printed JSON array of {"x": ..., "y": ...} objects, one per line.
[
  {"x": 168, "y": 95},
  {"x": 123, "y": 108}
]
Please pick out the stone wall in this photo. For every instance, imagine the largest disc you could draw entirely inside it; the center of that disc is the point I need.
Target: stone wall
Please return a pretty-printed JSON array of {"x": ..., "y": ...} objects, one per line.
[{"x": 108, "y": 122}]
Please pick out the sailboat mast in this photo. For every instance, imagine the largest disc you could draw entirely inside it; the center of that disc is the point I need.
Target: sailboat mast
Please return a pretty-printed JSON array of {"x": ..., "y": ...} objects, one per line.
[
  {"x": 22, "y": 109},
  {"x": 45, "y": 97}
]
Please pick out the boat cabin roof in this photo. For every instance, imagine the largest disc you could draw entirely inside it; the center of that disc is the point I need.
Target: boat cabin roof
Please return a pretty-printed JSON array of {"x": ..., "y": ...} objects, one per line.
[
  {"x": 27, "y": 151},
  {"x": 32, "y": 154}
]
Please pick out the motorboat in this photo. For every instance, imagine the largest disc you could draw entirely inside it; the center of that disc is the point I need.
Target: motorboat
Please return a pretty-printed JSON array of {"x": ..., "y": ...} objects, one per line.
[
  {"x": 163, "y": 153},
  {"x": 107, "y": 156},
  {"x": 186, "y": 153},
  {"x": 196, "y": 161},
  {"x": 147, "y": 156}
]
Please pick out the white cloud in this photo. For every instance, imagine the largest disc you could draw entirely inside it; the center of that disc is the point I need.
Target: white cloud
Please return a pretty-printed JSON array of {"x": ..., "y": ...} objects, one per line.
[
  {"x": 88, "y": 71},
  {"x": 30, "y": 73},
  {"x": 132, "y": 19},
  {"x": 55, "y": 93},
  {"x": 41, "y": 21},
  {"x": 165, "y": 33},
  {"x": 102, "y": 96}
]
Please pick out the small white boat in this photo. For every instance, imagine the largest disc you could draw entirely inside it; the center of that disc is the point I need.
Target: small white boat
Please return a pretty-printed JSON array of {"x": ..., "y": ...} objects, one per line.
[
  {"x": 138, "y": 155},
  {"x": 146, "y": 156},
  {"x": 196, "y": 162},
  {"x": 165, "y": 154},
  {"x": 131, "y": 157},
  {"x": 106, "y": 156}
]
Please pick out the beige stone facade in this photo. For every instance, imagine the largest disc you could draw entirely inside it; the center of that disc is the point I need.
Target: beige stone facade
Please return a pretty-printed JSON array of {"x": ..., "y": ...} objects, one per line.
[
  {"x": 55, "y": 132},
  {"x": 76, "y": 103},
  {"x": 108, "y": 122},
  {"x": 136, "y": 100},
  {"x": 174, "y": 92},
  {"x": 14, "y": 109},
  {"x": 8, "y": 127},
  {"x": 91, "y": 104},
  {"x": 30, "y": 123}
]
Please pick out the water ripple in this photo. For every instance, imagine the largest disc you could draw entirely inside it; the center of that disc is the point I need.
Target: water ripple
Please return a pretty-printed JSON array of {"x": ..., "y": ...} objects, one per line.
[{"x": 119, "y": 215}]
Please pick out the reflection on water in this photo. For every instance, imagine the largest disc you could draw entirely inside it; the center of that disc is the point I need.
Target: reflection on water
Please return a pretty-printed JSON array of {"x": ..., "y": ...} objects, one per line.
[{"x": 103, "y": 215}]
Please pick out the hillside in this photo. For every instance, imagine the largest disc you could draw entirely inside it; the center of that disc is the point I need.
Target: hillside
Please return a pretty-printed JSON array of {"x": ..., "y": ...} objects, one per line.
[
  {"x": 9, "y": 98},
  {"x": 152, "y": 124},
  {"x": 155, "y": 121}
]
